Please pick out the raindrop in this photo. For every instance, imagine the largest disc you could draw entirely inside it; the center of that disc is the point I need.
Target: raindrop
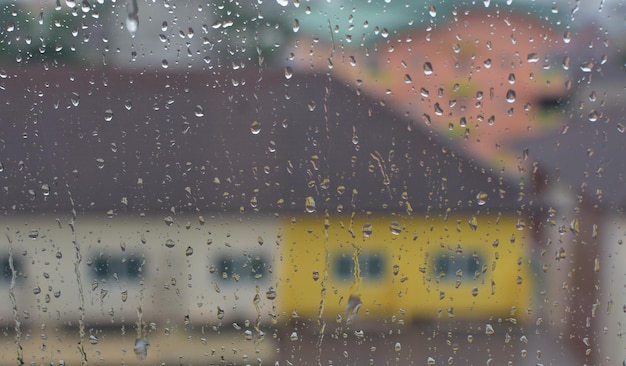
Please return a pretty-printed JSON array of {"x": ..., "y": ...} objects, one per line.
[
  {"x": 430, "y": 361},
  {"x": 316, "y": 275},
  {"x": 288, "y": 72},
  {"x": 33, "y": 234},
  {"x": 510, "y": 96},
  {"x": 352, "y": 308},
  {"x": 395, "y": 228},
  {"x": 199, "y": 111},
  {"x": 296, "y": 25},
  {"x": 100, "y": 163},
  {"x": 533, "y": 57},
  {"x": 309, "y": 204},
  {"x": 255, "y": 127},
  {"x": 164, "y": 64},
  {"x": 481, "y": 198},
  {"x": 108, "y": 115},
  {"x": 170, "y": 243},
  {"x": 132, "y": 19},
  {"x": 586, "y": 66},
  {"x": 93, "y": 339},
  {"x": 567, "y": 37},
  {"x": 367, "y": 230},
  {"x": 432, "y": 11},
  {"x": 75, "y": 99},
  {"x": 169, "y": 220},
  {"x": 565, "y": 63},
  {"x": 593, "y": 116},
  {"x": 141, "y": 348},
  {"x": 293, "y": 337},
  {"x": 511, "y": 78},
  {"x": 270, "y": 294},
  {"x": 428, "y": 68},
  {"x": 128, "y": 104},
  {"x": 282, "y": 2},
  {"x": 189, "y": 251},
  {"x": 70, "y": 3},
  {"x": 397, "y": 347},
  {"x": 438, "y": 109},
  {"x": 473, "y": 223},
  {"x": 489, "y": 329},
  {"x": 36, "y": 290}
]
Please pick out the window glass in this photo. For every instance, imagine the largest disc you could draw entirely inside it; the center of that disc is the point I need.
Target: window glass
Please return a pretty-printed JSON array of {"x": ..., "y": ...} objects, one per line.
[{"x": 299, "y": 182}]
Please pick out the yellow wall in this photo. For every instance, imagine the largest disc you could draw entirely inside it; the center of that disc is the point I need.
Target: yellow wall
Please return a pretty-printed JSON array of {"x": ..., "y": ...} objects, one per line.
[{"x": 410, "y": 285}]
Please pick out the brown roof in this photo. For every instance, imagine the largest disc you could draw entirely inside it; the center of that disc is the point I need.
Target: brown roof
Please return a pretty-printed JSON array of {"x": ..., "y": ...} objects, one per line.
[{"x": 179, "y": 153}]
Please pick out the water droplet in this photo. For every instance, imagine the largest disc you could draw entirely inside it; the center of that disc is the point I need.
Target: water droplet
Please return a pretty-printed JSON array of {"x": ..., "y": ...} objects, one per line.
[
  {"x": 352, "y": 308},
  {"x": 367, "y": 230},
  {"x": 70, "y": 3},
  {"x": 395, "y": 228},
  {"x": 489, "y": 329},
  {"x": 533, "y": 57},
  {"x": 293, "y": 337},
  {"x": 397, "y": 347},
  {"x": 270, "y": 294},
  {"x": 309, "y": 204},
  {"x": 593, "y": 116},
  {"x": 288, "y": 72},
  {"x": 567, "y": 37},
  {"x": 189, "y": 251},
  {"x": 432, "y": 11},
  {"x": 565, "y": 63},
  {"x": 170, "y": 243},
  {"x": 473, "y": 223},
  {"x": 75, "y": 99},
  {"x": 100, "y": 163},
  {"x": 438, "y": 109},
  {"x": 165, "y": 64},
  {"x": 481, "y": 198},
  {"x": 108, "y": 115},
  {"x": 220, "y": 313},
  {"x": 428, "y": 68},
  {"x": 141, "y": 348},
  {"x": 255, "y": 127},
  {"x": 587, "y": 66},
  {"x": 283, "y": 2},
  {"x": 487, "y": 63},
  {"x": 510, "y": 96},
  {"x": 316, "y": 275},
  {"x": 296, "y": 25},
  {"x": 132, "y": 17},
  {"x": 199, "y": 111},
  {"x": 511, "y": 78},
  {"x": 430, "y": 361}
]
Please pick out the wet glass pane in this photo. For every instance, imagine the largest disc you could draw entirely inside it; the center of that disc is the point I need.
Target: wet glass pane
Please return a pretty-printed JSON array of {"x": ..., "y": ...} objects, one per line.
[{"x": 312, "y": 183}]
